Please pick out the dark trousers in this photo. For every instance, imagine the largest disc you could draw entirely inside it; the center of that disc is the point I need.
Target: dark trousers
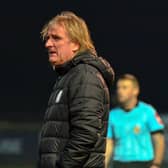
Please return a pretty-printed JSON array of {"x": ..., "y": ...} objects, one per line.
[{"x": 117, "y": 164}]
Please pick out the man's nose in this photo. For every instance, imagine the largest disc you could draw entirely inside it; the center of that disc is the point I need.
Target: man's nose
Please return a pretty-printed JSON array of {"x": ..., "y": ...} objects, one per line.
[{"x": 48, "y": 43}]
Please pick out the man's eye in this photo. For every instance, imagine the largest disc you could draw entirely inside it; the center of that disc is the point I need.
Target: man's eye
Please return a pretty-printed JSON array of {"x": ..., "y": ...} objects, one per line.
[
  {"x": 46, "y": 38},
  {"x": 56, "y": 37}
]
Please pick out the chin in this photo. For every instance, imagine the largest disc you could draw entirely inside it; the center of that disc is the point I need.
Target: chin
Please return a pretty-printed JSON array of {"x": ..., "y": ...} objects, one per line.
[
  {"x": 121, "y": 101},
  {"x": 53, "y": 61}
]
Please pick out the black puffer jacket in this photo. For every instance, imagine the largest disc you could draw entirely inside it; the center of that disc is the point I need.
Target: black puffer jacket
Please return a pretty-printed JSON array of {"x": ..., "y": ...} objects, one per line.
[{"x": 74, "y": 129}]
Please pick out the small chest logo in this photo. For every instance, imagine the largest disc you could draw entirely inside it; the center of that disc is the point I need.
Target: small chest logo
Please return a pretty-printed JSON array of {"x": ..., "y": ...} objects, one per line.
[
  {"x": 137, "y": 129},
  {"x": 58, "y": 97}
]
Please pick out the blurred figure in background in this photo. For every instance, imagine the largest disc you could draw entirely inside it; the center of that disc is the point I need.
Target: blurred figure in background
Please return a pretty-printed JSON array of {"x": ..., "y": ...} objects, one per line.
[
  {"x": 75, "y": 123},
  {"x": 131, "y": 128}
]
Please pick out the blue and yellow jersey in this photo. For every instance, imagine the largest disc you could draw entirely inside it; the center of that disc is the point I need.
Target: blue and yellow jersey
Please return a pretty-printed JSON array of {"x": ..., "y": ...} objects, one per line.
[{"x": 131, "y": 132}]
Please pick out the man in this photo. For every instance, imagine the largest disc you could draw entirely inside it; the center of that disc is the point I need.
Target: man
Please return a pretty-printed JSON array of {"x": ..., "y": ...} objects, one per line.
[
  {"x": 132, "y": 127},
  {"x": 74, "y": 130}
]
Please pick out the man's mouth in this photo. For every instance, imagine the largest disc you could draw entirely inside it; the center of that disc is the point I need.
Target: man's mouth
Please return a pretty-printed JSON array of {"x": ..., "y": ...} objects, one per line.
[{"x": 51, "y": 53}]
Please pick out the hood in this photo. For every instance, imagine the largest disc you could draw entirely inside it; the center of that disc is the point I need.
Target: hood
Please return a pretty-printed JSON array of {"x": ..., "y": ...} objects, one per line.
[{"x": 101, "y": 64}]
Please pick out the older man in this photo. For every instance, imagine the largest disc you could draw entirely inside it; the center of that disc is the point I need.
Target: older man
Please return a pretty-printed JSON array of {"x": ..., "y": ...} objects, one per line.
[{"x": 74, "y": 130}]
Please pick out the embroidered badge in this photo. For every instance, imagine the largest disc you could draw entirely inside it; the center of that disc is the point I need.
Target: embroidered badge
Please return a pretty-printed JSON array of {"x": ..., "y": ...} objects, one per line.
[{"x": 137, "y": 129}]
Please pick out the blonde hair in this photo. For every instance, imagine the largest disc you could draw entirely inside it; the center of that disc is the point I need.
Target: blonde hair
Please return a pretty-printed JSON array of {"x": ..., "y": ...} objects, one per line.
[{"x": 76, "y": 28}]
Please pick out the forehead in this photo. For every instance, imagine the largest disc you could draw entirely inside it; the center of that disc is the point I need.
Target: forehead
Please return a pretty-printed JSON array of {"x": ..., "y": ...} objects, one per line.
[
  {"x": 56, "y": 29},
  {"x": 125, "y": 82}
]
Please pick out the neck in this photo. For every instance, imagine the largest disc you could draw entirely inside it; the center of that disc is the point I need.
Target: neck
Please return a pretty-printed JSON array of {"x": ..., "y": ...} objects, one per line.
[{"x": 130, "y": 104}]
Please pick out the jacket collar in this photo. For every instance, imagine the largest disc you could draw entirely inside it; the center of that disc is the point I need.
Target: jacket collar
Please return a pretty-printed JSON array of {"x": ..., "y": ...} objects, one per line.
[{"x": 63, "y": 69}]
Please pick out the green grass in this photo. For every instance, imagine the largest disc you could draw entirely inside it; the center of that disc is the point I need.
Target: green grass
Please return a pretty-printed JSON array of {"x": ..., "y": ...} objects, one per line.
[{"x": 18, "y": 166}]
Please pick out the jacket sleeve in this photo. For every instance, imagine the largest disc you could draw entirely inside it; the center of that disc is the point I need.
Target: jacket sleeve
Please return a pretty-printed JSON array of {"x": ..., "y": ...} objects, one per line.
[{"x": 86, "y": 96}]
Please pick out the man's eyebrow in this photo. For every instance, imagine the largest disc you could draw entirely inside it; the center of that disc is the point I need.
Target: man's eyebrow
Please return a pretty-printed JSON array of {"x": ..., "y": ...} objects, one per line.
[{"x": 56, "y": 36}]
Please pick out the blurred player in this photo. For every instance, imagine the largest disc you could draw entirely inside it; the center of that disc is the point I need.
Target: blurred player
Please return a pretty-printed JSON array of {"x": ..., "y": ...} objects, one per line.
[
  {"x": 132, "y": 127},
  {"x": 75, "y": 123}
]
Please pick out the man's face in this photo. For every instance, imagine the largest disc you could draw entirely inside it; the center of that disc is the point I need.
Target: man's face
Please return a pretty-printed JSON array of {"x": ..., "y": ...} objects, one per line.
[
  {"x": 60, "y": 48},
  {"x": 126, "y": 91}
]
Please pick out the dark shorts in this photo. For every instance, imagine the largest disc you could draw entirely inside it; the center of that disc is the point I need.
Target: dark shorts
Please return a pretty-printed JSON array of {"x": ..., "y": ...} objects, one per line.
[{"x": 117, "y": 164}]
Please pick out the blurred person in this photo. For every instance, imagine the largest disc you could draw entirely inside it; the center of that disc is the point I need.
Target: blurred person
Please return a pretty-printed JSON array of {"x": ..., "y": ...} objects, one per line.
[
  {"x": 135, "y": 136},
  {"x": 74, "y": 131}
]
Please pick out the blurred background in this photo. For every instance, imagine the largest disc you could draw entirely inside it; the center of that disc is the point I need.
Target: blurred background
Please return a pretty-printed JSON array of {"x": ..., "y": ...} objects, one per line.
[{"x": 132, "y": 36}]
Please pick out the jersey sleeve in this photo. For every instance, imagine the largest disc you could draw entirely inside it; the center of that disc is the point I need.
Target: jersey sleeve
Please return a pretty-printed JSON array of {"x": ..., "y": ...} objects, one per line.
[
  {"x": 155, "y": 122},
  {"x": 110, "y": 126}
]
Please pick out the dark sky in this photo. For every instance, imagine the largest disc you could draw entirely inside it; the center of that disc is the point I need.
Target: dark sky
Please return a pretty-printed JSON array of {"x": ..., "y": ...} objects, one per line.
[{"x": 132, "y": 36}]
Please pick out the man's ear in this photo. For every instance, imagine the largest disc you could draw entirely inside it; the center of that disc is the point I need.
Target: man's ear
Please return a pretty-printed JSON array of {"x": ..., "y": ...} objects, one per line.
[
  {"x": 137, "y": 91},
  {"x": 75, "y": 46}
]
